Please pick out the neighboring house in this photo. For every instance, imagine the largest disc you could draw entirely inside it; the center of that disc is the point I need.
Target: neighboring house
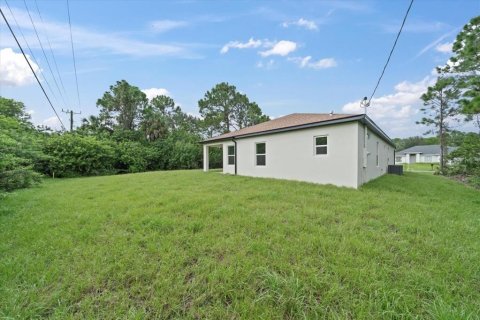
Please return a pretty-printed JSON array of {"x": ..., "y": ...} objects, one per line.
[
  {"x": 420, "y": 154},
  {"x": 340, "y": 149}
]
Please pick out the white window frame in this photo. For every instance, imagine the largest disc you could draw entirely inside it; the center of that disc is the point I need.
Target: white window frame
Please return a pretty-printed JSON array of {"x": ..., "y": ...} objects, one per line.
[
  {"x": 261, "y": 154},
  {"x": 231, "y": 155},
  {"x": 320, "y": 145}
]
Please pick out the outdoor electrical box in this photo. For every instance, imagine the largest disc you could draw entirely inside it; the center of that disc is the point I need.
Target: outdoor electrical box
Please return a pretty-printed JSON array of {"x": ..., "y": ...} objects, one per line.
[{"x": 395, "y": 169}]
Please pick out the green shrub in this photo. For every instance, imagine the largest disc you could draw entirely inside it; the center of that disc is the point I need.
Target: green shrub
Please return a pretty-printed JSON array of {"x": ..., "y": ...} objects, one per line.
[
  {"x": 131, "y": 156},
  {"x": 179, "y": 150},
  {"x": 76, "y": 155},
  {"x": 18, "y": 178},
  {"x": 475, "y": 181},
  {"x": 20, "y": 148},
  {"x": 466, "y": 158}
]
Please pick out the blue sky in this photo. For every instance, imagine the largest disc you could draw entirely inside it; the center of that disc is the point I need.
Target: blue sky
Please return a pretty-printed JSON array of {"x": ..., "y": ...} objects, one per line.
[{"x": 312, "y": 56}]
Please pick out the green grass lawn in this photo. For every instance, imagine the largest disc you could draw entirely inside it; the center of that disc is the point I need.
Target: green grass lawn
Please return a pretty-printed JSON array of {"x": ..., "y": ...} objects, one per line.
[
  {"x": 420, "y": 167},
  {"x": 188, "y": 244}
]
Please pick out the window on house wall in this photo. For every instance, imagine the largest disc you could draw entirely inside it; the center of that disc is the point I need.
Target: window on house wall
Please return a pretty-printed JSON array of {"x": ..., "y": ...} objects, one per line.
[
  {"x": 398, "y": 159},
  {"x": 260, "y": 154},
  {"x": 378, "y": 157},
  {"x": 428, "y": 158},
  {"x": 231, "y": 155},
  {"x": 321, "y": 145}
]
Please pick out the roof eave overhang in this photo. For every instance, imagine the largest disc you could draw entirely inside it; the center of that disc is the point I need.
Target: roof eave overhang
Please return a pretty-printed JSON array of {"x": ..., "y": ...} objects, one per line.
[
  {"x": 372, "y": 126},
  {"x": 361, "y": 118}
]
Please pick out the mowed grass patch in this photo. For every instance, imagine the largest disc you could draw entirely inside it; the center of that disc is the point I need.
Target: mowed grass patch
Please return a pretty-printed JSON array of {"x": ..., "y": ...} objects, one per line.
[
  {"x": 421, "y": 167},
  {"x": 188, "y": 244}
]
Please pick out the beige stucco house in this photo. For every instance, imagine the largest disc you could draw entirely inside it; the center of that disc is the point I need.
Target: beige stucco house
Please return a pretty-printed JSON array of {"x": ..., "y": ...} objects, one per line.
[{"x": 339, "y": 149}]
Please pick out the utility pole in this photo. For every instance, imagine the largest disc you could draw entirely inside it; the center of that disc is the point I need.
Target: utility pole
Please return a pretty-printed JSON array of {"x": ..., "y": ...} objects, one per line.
[{"x": 71, "y": 112}]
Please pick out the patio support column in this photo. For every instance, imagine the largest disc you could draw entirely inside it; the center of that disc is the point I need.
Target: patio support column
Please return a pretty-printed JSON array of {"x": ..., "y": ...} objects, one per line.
[{"x": 205, "y": 158}]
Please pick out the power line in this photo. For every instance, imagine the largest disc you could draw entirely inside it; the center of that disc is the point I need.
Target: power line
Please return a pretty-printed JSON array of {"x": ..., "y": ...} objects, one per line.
[
  {"x": 51, "y": 51},
  {"x": 391, "y": 51},
  {"x": 31, "y": 51},
  {"x": 73, "y": 53},
  {"x": 44, "y": 54},
  {"x": 31, "y": 68}
]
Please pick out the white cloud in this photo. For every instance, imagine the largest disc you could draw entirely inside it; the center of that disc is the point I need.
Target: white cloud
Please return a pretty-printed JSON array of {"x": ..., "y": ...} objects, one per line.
[
  {"x": 153, "y": 92},
  {"x": 303, "y": 23},
  {"x": 167, "y": 25},
  {"x": 416, "y": 26},
  {"x": 91, "y": 41},
  {"x": 394, "y": 111},
  {"x": 53, "y": 123},
  {"x": 14, "y": 70},
  {"x": 444, "y": 47},
  {"x": 306, "y": 62},
  {"x": 435, "y": 42},
  {"x": 281, "y": 48},
  {"x": 251, "y": 43},
  {"x": 270, "y": 64}
]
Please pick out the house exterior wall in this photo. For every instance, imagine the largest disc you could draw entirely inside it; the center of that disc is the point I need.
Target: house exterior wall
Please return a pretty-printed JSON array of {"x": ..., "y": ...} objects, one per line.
[
  {"x": 367, "y": 155},
  {"x": 227, "y": 168},
  {"x": 290, "y": 155},
  {"x": 429, "y": 158},
  {"x": 418, "y": 158},
  {"x": 399, "y": 159}
]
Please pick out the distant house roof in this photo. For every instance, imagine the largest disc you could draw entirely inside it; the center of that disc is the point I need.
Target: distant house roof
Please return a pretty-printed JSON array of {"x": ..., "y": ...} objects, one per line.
[
  {"x": 427, "y": 149},
  {"x": 297, "y": 121}
]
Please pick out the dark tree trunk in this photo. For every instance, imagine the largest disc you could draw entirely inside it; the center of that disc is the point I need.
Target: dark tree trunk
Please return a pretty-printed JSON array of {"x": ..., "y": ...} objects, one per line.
[{"x": 442, "y": 135}]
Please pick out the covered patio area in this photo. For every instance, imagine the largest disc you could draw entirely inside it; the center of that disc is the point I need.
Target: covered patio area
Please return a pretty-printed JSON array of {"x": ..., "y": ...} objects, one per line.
[{"x": 212, "y": 156}]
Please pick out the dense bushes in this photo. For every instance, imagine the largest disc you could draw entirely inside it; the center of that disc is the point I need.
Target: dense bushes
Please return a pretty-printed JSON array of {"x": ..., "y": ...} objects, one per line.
[
  {"x": 178, "y": 151},
  {"x": 132, "y": 156},
  {"x": 18, "y": 178},
  {"x": 466, "y": 159},
  {"x": 20, "y": 148},
  {"x": 76, "y": 155},
  {"x": 27, "y": 153}
]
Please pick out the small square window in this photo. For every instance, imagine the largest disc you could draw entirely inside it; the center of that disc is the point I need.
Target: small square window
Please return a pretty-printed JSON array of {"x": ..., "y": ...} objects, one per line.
[
  {"x": 321, "y": 145},
  {"x": 261, "y": 159},
  {"x": 321, "y": 140},
  {"x": 321, "y": 150},
  {"x": 261, "y": 148}
]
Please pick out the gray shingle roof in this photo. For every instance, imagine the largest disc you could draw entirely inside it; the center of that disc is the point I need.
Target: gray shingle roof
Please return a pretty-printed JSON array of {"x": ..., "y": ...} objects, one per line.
[{"x": 427, "y": 149}]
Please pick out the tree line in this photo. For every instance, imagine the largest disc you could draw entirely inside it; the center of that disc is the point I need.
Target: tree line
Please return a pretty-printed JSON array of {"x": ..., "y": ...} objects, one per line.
[
  {"x": 130, "y": 134},
  {"x": 455, "y": 97}
]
